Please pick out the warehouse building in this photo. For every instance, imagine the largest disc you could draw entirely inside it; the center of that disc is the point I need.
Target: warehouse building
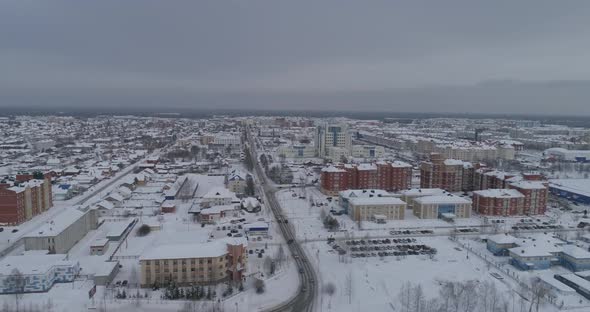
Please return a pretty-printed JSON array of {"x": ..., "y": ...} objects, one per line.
[
  {"x": 577, "y": 190},
  {"x": 62, "y": 232}
]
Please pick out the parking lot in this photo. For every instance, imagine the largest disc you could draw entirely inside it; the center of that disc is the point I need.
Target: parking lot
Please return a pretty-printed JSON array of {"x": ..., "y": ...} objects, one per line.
[
  {"x": 531, "y": 224},
  {"x": 397, "y": 247}
]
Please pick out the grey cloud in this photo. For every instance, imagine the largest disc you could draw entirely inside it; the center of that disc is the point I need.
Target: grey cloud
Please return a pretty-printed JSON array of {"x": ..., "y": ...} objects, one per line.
[{"x": 276, "y": 54}]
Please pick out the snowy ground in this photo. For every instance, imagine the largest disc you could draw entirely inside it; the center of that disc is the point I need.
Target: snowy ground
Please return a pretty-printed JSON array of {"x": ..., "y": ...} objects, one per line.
[{"x": 373, "y": 284}]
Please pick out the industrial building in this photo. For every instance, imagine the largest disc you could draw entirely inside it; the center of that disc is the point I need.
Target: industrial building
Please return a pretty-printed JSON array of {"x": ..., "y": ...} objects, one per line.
[
  {"x": 577, "y": 190},
  {"x": 62, "y": 232}
]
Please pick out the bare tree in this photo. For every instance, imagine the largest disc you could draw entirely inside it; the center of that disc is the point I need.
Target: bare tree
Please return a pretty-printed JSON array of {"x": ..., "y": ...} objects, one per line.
[
  {"x": 280, "y": 255},
  {"x": 418, "y": 298},
  {"x": 538, "y": 292},
  {"x": 17, "y": 282}
]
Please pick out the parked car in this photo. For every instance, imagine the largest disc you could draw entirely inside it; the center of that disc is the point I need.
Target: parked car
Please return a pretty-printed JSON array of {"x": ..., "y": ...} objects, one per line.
[{"x": 14, "y": 230}]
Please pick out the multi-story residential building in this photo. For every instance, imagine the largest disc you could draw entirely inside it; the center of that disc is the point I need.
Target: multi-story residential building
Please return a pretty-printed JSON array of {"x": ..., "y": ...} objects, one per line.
[
  {"x": 366, "y": 176},
  {"x": 498, "y": 202},
  {"x": 447, "y": 174},
  {"x": 333, "y": 180},
  {"x": 389, "y": 176},
  {"x": 30, "y": 198},
  {"x": 394, "y": 176},
  {"x": 187, "y": 264},
  {"x": 535, "y": 196},
  {"x": 237, "y": 181},
  {"x": 446, "y": 206},
  {"x": 332, "y": 135},
  {"x": 376, "y": 208}
]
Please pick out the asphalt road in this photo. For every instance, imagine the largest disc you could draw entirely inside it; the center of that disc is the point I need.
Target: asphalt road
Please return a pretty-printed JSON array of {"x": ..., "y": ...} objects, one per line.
[{"x": 305, "y": 297}]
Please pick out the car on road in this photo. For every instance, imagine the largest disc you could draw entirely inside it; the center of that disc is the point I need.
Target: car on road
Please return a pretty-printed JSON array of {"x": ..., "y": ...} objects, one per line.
[
  {"x": 290, "y": 241},
  {"x": 14, "y": 230},
  {"x": 496, "y": 275},
  {"x": 301, "y": 270}
]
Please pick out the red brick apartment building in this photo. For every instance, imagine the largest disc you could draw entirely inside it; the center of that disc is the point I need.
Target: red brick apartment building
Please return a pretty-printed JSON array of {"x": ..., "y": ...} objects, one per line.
[
  {"x": 446, "y": 174},
  {"x": 389, "y": 176},
  {"x": 30, "y": 198},
  {"x": 535, "y": 196},
  {"x": 498, "y": 202}
]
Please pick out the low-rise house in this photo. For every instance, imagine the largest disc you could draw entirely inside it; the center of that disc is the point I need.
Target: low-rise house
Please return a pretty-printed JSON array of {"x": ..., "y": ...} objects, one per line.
[
  {"x": 218, "y": 196},
  {"x": 259, "y": 228},
  {"x": 215, "y": 213},
  {"x": 500, "y": 244},
  {"x": 251, "y": 204},
  {"x": 99, "y": 247},
  {"x": 39, "y": 271}
]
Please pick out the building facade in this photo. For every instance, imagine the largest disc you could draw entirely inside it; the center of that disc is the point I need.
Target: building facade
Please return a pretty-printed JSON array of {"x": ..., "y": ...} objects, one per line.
[
  {"x": 498, "y": 202},
  {"x": 188, "y": 264},
  {"x": 30, "y": 198},
  {"x": 447, "y": 174},
  {"x": 389, "y": 176},
  {"x": 332, "y": 135},
  {"x": 372, "y": 208},
  {"x": 448, "y": 206}
]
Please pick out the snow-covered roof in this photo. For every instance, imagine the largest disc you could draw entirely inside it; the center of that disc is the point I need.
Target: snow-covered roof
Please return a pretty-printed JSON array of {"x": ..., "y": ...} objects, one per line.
[
  {"x": 32, "y": 264},
  {"x": 376, "y": 201},
  {"x": 576, "y": 186},
  {"x": 502, "y": 239},
  {"x": 332, "y": 169},
  {"x": 363, "y": 193},
  {"x": 423, "y": 192},
  {"x": 213, "y": 249},
  {"x": 57, "y": 224},
  {"x": 499, "y": 193},
  {"x": 442, "y": 199},
  {"x": 575, "y": 252},
  {"x": 219, "y": 192},
  {"x": 529, "y": 185},
  {"x": 217, "y": 209}
]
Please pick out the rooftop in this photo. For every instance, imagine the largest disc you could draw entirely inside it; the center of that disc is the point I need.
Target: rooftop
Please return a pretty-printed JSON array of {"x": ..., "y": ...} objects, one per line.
[{"x": 187, "y": 251}]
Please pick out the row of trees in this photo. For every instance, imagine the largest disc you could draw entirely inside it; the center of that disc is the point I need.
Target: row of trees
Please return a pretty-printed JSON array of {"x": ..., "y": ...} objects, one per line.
[
  {"x": 471, "y": 295},
  {"x": 173, "y": 292}
]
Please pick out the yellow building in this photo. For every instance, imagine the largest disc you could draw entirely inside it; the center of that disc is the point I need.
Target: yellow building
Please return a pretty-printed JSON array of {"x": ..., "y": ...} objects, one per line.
[{"x": 188, "y": 264}]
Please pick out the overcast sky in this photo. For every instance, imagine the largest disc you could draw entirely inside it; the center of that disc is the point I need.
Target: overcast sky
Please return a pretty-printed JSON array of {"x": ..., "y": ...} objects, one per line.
[{"x": 425, "y": 56}]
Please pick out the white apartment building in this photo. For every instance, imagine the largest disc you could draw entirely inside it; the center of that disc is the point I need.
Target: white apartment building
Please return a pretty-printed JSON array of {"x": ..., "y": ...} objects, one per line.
[{"x": 332, "y": 135}]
